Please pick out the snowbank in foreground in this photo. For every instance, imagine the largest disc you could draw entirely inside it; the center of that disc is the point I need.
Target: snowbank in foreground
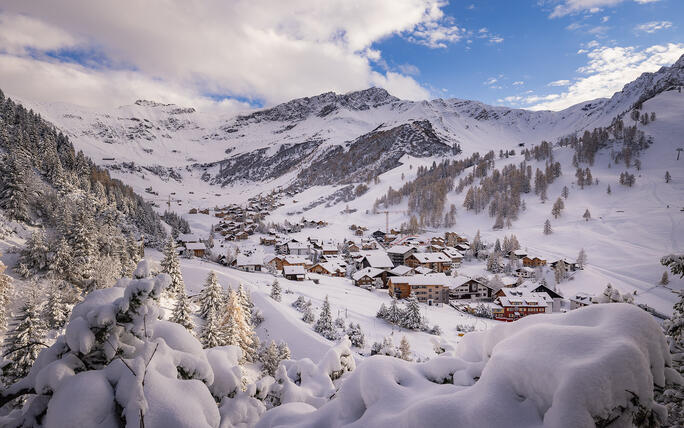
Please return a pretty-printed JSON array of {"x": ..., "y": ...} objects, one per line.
[{"x": 595, "y": 364}]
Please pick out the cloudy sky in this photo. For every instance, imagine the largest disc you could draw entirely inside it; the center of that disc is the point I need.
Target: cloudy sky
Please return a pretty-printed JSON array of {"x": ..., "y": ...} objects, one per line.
[{"x": 237, "y": 54}]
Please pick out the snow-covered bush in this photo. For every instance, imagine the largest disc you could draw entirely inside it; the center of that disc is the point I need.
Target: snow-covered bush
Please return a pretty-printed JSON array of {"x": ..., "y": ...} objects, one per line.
[
  {"x": 594, "y": 364},
  {"x": 355, "y": 335}
]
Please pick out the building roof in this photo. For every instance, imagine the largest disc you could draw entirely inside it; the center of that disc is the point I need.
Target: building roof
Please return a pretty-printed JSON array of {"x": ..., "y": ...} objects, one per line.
[
  {"x": 296, "y": 260},
  {"x": 400, "y": 249},
  {"x": 452, "y": 253},
  {"x": 523, "y": 297},
  {"x": 401, "y": 270},
  {"x": 188, "y": 237},
  {"x": 379, "y": 259},
  {"x": 293, "y": 270},
  {"x": 429, "y": 279},
  {"x": 369, "y": 272},
  {"x": 331, "y": 267},
  {"x": 431, "y": 257},
  {"x": 195, "y": 246},
  {"x": 297, "y": 246},
  {"x": 423, "y": 270},
  {"x": 251, "y": 260}
]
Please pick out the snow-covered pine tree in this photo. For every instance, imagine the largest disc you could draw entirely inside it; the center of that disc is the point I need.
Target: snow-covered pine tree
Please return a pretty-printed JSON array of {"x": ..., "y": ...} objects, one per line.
[
  {"x": 211, "y": 297},
  {"x": 276, "y": 291},
  {"x": 324, "y": 326},
  {"x": 557, "y": 208},
  {"x": 24, "y": 340},
  {"x": 270, "y": 358},
  {"x": 236, "y": 328},
  {"x": 675, "y": 263},
  {"x": 608, "y": 191},
  {"x": 339, "y": 322},
  {"x": 665, "y": 279},
  {"x": 559, "y": 272},
  {"x": 547, "y": 227},
  {"x": 356, "y": 336},
  {"x": 382, "y": 312},
  {"x": 668, "y": 177},
  {"x": 57, "y": 309},
  {"x": 565, "y": 192},
  {"x": 13, "y": 188},
  {"x": 182, "y": 313},
  {"x": 308, "y": 316},
  {"x": 587, "y": 215},
  {"x": 61, "y": 263},
  {"x": 170, "y": 265},
  {"x": 394, "y": 313},
  {"x": 284, "y": 351},
  {"x": 581, "y": 258},
  {"x": 385, "y": 348},
  {"x": 5, "y": 296},
  {"x": 405, "y": 349},
  {"x": 412, "y": 319},
  {"x": 34, "y": 255},
  {"x": 212, "y": 334}
]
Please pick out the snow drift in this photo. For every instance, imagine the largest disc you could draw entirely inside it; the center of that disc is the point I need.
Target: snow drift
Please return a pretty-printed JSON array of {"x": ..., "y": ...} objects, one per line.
[{"x": 591, "y": 366}]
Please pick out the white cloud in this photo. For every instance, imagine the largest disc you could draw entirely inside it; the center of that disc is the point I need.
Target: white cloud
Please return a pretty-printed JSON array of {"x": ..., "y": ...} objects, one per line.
[
  {"x": 653, "y": 26},
  {"x": 568, "y": 7},
  {"x": 270, "y": 50},
  {"x": 608, "y": 70},
  {"x": 518, "y": 82},
  {"x": 490, "y": 81},
  {"x": 408, "y": 69},
  {"x": 559, "y": 83}
]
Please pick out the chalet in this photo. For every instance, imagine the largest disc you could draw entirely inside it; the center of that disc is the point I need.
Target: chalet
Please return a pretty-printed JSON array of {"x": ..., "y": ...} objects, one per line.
[
  {"x": 376, "y": 259},
  {"x": 204, "y": 211},
  {"x": 268, "y": 240},
  {"x": 581, "y": 300},
  {"x": 251, "y": 263},
  {"x": 462, "y": 247},
  {"x": 241, "y": 236},
  {"x": 367, "y": 277},
  {"x": 337, "y": 259},
  {"x": 453, "y": 238},
  {"x": 533, "y": 262},
  {"x": 399, "y": 253},
  {"x": 468, "y": 288},
  {"x": 437, "y": 240},
  {"x": 455, "y": 256},
  {"x": 422, "y": 270},
  {"x": 369, "y": 245},
  {"x": 379, "y": 235},
  {"x": 518, "y": 254},
  {"x": 430, "y": 289},
  {"x": 438, "y": 262},
  {"x": 193, "y": 211},
  {"x": 281, "y": 261},
  {"x": 294, "y": 273},
  {"x": 517, "y": 304},
  {"x": 569, "y": 266},
  {"x": 358, "y": 232},
  {"x": 525, "y": 272},
  {"x": 353, "y": 248},
  {"x": 328, "y": 268},
  {"x": 402, "y": 270},
  {"x": 297, "y": 248},
  {"x": 197, "y": 248},
  {"x": 329, "y": 249},
  {"x": 184, "y": 238},
  {"x": 541, "y": 288}
]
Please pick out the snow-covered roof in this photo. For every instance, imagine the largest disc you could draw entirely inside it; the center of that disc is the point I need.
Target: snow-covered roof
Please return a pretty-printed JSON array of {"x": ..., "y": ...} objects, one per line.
[
  {"x": 379, "y": 259},
  {"x": 400, "y": 249},
  {"x": 423, "y": 270},
  {"x": 297, "y": 246},
  {"x": 431, "y": 257},
  {"x": 369, "y": 271},
  {"x": 195, "y": 246},
  {"x": 296, "y": 260},
  {"x": 429, "y": 279},
  {"x": 523, "y": 297},
  {"x": 251, "y": 260},
  {"x": 330, "y": 247},
  {"x": 452, "y": 252},
  {"x": 293, "y": 270},
  {"x": 401, "y": 270},
  {"x": 331, "y": 267}
]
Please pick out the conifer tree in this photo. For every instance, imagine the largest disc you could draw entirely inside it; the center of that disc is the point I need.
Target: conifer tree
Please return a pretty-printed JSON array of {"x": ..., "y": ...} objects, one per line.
[
  {"x": 557, "y": 208},
  {"x": 34, "y": 255},
  {"x": 276, "y": 291},
  {"x": 57, "y": 309},
  {"x": 181, "y": 311},
  {"x": 284, "y": 351},
  {"x": 412, "y": 319},
  {"x": 324, "y": 325},
  {"x": 668, "y": 177},
  {"x": 211, "y": 297},
  {"x": 170, "y": 265},
  {"x": 587, "y": 215},
  {"x": 394, "y": 314},
  {"x": 405, "y": 349},
  {"x": 356, "y": 336},
  {"x": 547, "y": 227},
  {"x": 24, "y": 340},
  {"x": 5, "y": 296},
  {"x": 270, "y": 359},
  {"x": 236, "y": 329},
  {"x": 382, "y": 311},
  {"x": 13, "y": 188},
  {"x": 211, "y": 335},
  {"x": 582, "y": 258},
  {"x": 565, "y": 192},
  {"x": 608, "y": 191},
  {"x": 664, "y": 280},
  {"x": 61, "y": 264},
  {"x": 308, "y": 316}
]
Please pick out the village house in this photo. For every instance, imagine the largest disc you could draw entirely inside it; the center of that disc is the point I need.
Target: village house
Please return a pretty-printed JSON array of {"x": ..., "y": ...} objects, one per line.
[
  {"x": 367, "y": 277},
  {"x": 402, "y": 270},
  {"x": 517, "y": 304},
  {"x": 533, "y": 262},
  {"x": 430, "y": 289},
  {"x": 518, "y": 254},
  {"x": 297, "y": 248},
  {"x": 525, "y": 272},
  {"x": 251, "y": 263},
  {"x": 462, "y": 247},
  {"x": 185, "y": 238},
  {"x": 197, "y": 249},
  {"x": 399, "y": 253},
  {"x": 581, "y": 300},
  {"x": 353, "y": 248},
  {"x": 294, "y": 273},
  {"x": 569, "y": 266},
  {"x": 329, "y": 249},
  {"x": 453, "y": 254},
  {"x": 328, "y": 268},
  {"x": 241, "y": 236},
  {"x": 268, "y": 240},
  {"x": 470, "y": 288},
  {"x": 376, "y": 259},
  {"x": 438, "y": 262},
  {"x": 453, "y": 238}
]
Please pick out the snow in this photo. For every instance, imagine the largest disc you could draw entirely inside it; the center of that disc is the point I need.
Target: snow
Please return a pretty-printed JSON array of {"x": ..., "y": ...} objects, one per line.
[{"x": 586, "y": 364}]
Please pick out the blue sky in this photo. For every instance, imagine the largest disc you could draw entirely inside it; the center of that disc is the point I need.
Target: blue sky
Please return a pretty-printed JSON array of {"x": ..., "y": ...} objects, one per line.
[
  {"x": 240, "y": 54},
  {"x": 536, "y": 49}
]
